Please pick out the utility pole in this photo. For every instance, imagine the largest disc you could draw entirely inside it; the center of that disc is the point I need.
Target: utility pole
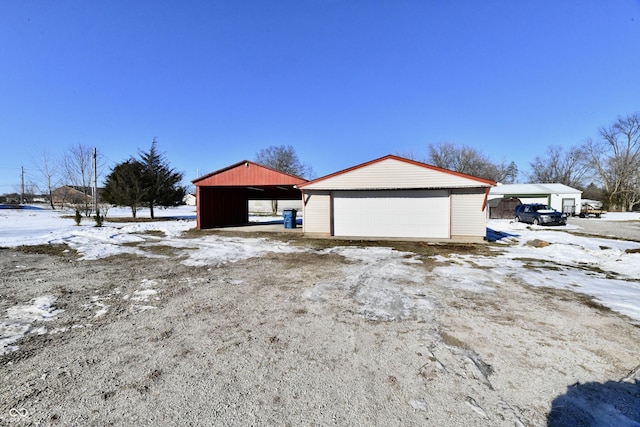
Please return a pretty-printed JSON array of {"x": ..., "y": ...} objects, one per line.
[
  {"x": 22, "y": 186},
  {"x": 95, "y": 180}
]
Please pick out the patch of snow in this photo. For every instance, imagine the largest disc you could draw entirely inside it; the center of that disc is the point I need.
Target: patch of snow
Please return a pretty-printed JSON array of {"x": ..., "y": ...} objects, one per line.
[
  {"x": 385, "y": 283},
  {"x": 143, "y": 295},
  {"x": 20, "y": 321}
]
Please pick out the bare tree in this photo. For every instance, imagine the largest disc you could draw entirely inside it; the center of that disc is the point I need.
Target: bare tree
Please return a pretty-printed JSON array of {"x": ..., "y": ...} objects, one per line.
[
  {"x": 615, "y": 158},
  {"x": 284, "y": 159},
  {"x": 48, "y": 167},
  {"x": 78, "y": 170},
  {"x": 565, "y": 167},
  {"x": 470, "y": 161}
]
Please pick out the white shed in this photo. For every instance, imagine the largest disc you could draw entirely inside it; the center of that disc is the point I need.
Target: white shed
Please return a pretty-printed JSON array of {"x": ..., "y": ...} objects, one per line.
[
  {"x": 395, "y": 197},
  {"x": 559, "y": 196}
]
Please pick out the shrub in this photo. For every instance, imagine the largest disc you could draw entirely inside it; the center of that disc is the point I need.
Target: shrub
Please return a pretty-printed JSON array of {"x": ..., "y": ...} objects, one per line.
[{"x": 99, "y": 218}]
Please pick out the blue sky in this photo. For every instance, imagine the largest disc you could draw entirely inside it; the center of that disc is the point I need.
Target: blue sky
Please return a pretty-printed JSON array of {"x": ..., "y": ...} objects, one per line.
[{"x": 342, "y": 81}]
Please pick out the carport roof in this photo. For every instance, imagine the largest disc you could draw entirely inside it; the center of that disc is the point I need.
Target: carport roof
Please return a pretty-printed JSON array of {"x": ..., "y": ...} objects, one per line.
[
  {"x": 525, "y": 189},
  {"x": 247, "y": 173}
]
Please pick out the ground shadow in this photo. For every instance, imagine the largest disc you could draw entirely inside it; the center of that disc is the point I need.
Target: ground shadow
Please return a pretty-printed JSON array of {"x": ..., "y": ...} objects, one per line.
[
  {"x": 181, "y": 217},
  {"x": 25, "y": 207},
  {"x": 613, "y": 403},
  {"x": 494, "y": 236}
]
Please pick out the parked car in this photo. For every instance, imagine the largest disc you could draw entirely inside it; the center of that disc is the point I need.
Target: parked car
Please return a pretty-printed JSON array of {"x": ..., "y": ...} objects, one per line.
[{"x": 539, "y": 214}]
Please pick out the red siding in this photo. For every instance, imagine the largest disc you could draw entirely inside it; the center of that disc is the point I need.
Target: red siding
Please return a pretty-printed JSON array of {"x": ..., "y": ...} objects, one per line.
[
  {"x": 223, "y": 196},
  {"x": 247, "y": 173}
]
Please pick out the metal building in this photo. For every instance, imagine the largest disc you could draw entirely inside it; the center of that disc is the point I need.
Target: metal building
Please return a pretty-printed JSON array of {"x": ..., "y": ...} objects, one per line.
[
  {"x": 560, "y": 197},
  {"x": 396, "y": 197},
  {"x": 223, "y": 196}
]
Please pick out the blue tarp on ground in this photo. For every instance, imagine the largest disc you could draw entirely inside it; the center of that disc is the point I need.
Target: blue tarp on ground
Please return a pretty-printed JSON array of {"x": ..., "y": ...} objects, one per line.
[{"x": 494, "y": 236}]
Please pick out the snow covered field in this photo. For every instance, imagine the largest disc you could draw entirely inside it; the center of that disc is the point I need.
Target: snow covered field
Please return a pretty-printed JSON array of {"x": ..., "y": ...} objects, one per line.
[{"x": 436, "y": 297}]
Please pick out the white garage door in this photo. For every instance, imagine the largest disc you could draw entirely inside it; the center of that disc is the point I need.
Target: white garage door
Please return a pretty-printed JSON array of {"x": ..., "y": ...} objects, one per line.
[{"x": 405, "y": 213}]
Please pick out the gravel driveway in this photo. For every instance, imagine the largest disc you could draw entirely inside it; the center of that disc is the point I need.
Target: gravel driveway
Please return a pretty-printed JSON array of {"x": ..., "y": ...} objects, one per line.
[
  {"x": 281, "y": 340},
  {"x": 628, "y": 230}
]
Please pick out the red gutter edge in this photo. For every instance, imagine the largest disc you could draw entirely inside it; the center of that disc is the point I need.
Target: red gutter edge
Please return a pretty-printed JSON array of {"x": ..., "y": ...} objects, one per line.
[{"x": 486, "y": 196}]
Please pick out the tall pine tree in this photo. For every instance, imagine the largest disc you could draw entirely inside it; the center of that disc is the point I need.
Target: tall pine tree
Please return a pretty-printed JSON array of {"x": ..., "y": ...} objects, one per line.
[{"x": 160, "y": 182}]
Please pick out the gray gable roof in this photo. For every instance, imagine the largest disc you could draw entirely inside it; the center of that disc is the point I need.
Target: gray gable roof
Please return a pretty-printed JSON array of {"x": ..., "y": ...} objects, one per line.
[{"x": 524, "y": 189}]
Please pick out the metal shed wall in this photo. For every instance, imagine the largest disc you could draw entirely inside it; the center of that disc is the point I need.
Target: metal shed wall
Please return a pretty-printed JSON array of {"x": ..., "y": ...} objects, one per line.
[
  {"x": 468, "y": 221},
  {"x": 316, "y": 211},
  {"x": 223, "y": 196}
]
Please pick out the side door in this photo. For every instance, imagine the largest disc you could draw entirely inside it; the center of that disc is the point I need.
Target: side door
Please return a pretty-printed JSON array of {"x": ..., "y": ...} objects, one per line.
[{"x": 527, "y": 214}]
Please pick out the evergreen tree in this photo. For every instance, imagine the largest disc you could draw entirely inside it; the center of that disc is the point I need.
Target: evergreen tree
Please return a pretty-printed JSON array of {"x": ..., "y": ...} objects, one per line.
[
  {"x": 124, "y": 187},
  {"x": 161, "y": 183}
]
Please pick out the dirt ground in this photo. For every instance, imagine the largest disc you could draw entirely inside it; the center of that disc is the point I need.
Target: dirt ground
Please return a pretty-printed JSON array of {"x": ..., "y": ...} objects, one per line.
[{"x": 280, "y": 340}]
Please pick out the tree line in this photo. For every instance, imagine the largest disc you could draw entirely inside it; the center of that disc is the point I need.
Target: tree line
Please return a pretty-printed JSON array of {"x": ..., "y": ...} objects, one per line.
[
  {"x": 143, "y": 181},
  {"x": 605, "y": 168}
]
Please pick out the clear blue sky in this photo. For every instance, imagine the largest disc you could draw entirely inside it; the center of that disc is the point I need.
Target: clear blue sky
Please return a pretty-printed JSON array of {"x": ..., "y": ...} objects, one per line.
[{"x": 342, "y": 81}]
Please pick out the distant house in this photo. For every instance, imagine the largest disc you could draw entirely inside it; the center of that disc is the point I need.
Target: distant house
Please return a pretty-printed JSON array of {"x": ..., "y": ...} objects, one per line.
[
  {"x": 559, "y": 196},
  {"x": 189, "y": 199},
  {"x": 72, "y": 195}
]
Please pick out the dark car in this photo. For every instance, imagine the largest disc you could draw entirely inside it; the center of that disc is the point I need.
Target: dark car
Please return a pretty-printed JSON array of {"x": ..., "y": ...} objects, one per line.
[{"x": 538, "y": 214}]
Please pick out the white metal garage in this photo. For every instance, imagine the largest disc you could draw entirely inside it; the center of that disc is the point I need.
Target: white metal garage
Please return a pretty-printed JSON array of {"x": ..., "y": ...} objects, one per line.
[
  {"x": 559, "y": 196},
  {"x": 396, "y": 197}
]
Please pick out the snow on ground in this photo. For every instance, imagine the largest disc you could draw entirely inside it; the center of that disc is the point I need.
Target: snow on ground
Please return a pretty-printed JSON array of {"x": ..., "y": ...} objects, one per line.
[
  {"x": 602, "y": 268},
  {"x": 386, "y": 284},
  {"x": 24, "y": 320},
  {"x": 606, "y": 269}
]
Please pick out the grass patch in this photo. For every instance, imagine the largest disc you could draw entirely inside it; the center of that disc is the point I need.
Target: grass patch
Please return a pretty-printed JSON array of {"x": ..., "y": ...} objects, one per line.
[
  {"x": 568, "y": 295},
  {"x": 535, "y": 263},
  {"x": 120, "y": 219},
  {"x": 601, "y": 236},
  {"x": 165, "y": 250},
  {"x": 155, "y": 233},
  {"x": 61, "y": 249},
  {"x": 452, "y": 341}
]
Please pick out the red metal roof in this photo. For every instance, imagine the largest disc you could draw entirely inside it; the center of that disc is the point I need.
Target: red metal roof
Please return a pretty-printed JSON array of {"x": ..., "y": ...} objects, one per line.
[{"x": 246, "y": 173}]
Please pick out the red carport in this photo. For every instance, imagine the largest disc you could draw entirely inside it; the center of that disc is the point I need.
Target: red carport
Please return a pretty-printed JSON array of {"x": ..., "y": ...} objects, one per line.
[{"x": 222, "y": 197}]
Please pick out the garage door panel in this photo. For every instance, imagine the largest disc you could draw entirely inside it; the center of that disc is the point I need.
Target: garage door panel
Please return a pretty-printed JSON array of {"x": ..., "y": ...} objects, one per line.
[{"x": 408, "y": 213}]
